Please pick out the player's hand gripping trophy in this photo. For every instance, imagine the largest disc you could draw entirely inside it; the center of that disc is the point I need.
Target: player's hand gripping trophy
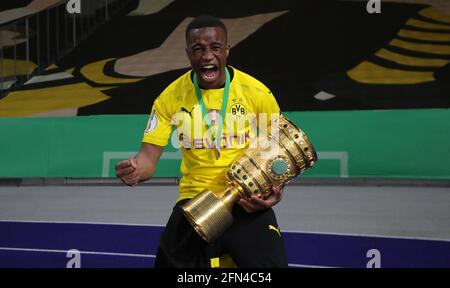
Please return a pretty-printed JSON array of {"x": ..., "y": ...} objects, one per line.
[{"x": 278, "y": 157}]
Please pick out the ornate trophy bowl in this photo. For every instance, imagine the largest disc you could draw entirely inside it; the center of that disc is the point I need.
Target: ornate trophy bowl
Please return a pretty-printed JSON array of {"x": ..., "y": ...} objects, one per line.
[{"x": 277, "y": 158}]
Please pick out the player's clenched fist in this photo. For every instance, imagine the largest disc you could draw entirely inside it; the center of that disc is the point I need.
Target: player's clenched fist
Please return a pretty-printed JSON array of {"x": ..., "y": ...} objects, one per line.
[{"x": 128, "y": 172}]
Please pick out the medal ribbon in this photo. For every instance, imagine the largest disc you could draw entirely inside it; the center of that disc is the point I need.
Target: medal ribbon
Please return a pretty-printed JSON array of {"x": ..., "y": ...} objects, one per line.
[{"x": 226, "y": 91}]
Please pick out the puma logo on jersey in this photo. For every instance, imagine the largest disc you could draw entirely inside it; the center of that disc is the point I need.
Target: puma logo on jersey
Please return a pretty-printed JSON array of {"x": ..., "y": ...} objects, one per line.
[
  {"x": 187, "y": 111},
  {"x": 276, "y": 229}
]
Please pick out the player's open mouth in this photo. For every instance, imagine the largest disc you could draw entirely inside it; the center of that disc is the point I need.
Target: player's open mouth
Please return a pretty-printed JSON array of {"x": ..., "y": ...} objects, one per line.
[{"x": 209, "y": 72}]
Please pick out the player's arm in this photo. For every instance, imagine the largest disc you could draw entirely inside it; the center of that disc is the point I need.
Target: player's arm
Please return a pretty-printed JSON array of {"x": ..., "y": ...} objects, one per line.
[
  {"x": 156, "y": 135},
  {"x": 141, "y": 167}
]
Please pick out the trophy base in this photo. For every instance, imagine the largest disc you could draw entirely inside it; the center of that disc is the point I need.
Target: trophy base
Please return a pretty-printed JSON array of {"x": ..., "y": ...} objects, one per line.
[{"x": 209, "y": 216}]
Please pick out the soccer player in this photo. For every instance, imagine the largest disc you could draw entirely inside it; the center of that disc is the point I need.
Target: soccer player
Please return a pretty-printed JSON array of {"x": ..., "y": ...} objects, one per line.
[{"x": 205, "y": 105}]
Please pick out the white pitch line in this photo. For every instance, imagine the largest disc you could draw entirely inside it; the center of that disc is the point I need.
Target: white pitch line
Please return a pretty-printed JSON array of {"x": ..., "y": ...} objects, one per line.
[
  {"x": 83, "y": 222},
  {"x": 81, "y": 252},
  {"x": 308, "y": 266},
  {"x": 366, "y": 235}
]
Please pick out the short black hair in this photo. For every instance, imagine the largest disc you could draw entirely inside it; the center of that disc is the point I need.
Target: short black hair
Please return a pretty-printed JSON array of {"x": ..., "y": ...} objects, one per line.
[{"x": 203, "y": 21}]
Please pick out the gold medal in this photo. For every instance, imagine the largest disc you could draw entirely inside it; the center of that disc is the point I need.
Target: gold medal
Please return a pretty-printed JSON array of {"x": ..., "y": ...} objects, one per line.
[
  {"x": 217, "y": 152},
  {"x": 216, "y": 148}
]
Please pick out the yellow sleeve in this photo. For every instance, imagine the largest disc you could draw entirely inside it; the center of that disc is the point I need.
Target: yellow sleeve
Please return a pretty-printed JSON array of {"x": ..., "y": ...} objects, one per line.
[
  {"x": 268, "y": 104},
  {"x": 159, "y": 125}
]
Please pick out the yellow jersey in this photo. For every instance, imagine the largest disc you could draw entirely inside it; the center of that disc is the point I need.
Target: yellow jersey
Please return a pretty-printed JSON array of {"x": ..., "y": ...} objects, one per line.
[{"x": 251, "y": 105}]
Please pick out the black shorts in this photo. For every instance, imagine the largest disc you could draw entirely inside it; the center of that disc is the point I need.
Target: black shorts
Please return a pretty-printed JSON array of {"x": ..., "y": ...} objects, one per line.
[{"x": 253, "y": 240}]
